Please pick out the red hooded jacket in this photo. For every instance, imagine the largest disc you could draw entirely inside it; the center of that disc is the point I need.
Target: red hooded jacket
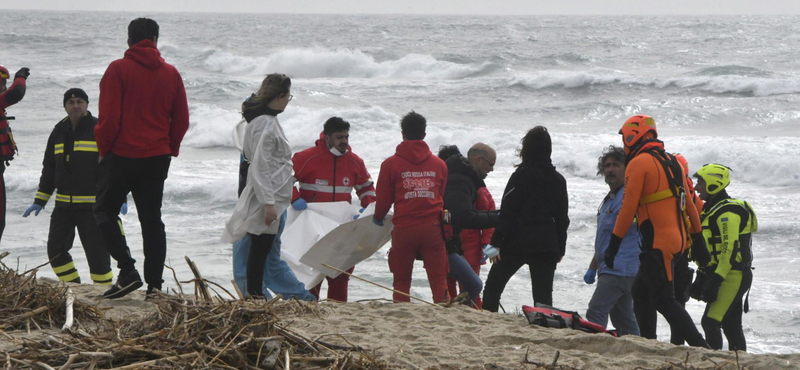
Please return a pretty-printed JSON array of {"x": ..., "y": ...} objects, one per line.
[
  {"x": 414, "y": 180},
  {"x": 472, "y": 240},
  {"x": 143, "y": 109},
  {"x": 324, "y": 177}
]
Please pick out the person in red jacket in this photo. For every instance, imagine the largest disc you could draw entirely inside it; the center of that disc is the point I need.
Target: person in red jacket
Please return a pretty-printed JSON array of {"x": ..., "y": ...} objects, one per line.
[
  {"x": 329, "y": 172},
  {"x": 142, "y": 119},
  {"x": 414, "y": 180},
  {"x": 8, "y": 97}
]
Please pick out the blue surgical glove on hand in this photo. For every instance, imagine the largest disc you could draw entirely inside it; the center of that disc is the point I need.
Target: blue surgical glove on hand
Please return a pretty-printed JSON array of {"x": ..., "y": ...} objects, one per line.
[
  {"x": 124, "y": 209},
  {"x": 489, "y": 252},
  {"x": 300, "y": 204},
  {"x": 590, "y": 276},
  {"x": 33, "y": 207},
  {"x": 360, "y": 211},
  {"x": 377, "y": 221}
]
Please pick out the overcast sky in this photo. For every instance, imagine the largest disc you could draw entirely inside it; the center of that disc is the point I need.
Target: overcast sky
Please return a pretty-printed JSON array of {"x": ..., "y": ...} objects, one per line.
[{"x": 649, "y": 7}]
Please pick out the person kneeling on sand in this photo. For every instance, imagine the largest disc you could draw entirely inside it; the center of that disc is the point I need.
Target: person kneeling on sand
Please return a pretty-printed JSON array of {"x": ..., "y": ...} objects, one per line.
[
  {"x": 413, "y": 179},
  {"x": 613, "y": 292}
]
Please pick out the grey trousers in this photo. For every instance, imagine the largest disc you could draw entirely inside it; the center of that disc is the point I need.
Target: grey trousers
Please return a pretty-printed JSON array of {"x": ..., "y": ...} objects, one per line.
[{"x": 613, "y": 296}]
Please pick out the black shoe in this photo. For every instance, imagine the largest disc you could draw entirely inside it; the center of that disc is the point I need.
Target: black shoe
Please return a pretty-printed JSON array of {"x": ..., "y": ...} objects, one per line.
[
  {"x": 126, "y": 283},
  {"x": 152, "y": 292}
]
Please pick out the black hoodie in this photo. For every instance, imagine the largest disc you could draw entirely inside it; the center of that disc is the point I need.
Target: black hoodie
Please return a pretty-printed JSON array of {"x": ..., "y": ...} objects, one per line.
[
  {"x": 459, "y": 198},
  {"x": 534, "y": 217}
]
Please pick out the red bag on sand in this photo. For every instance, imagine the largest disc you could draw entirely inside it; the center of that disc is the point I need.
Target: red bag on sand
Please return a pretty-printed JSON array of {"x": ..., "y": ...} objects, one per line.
[{"x": 551, "y": 317}]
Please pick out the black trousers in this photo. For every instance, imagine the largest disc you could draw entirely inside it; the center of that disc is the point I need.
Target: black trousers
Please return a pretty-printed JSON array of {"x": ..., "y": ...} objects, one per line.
[
  {"x": 63, "y": 222},
  {"x": 262, "y": 245},
  {"x": 652, "y": 292},
  {"x": 144, "y": 179},
  {"x": 682, "y": 276},
  {"x": 542, "y": 268}
]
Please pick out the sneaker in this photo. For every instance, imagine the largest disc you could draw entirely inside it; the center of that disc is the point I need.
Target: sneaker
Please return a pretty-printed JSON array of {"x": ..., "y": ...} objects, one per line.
[
  {"x": 152, "y": 292},
  {"x": 126, "y": 283}
]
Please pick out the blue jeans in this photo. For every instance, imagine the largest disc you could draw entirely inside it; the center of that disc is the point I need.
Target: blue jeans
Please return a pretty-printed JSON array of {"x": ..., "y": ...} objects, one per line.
[
  {"x": 613, "y": 296},
  {"x": 278, "y": 276},
  {"x": 462, "y": 272}
]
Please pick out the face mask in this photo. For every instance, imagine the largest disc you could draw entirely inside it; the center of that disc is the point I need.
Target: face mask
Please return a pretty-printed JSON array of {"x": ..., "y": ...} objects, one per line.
[{"x": 336, "y": 152}]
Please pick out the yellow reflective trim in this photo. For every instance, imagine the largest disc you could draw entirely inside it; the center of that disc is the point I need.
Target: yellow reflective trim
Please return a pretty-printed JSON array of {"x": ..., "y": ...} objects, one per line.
[
  {"x": 70, "y": 277},
  {"x": 121, "y": 230},
  {"x": 64, "y": 268},
  {"x": 104, "y": 279},
  {"x": 43, "y": 196},
  {"x": 83, "y": 199},
  {"x": 85, "y": 146},
  {"x": 85, "y": 142},
  {"x": 655, "y": 197},
  {"x": 58, "y": 149}
]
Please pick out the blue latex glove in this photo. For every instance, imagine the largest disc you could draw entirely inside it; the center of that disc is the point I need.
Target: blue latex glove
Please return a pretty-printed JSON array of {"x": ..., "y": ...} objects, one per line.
[
  {"x": 124, "y": 209},
  {"x": 590, "y": 275},
  {"x": 33, "y": 207},
  {"x": 377, "y": 221},
  {"x": 360, "y": 211},
  {"x": 300, "y": 204}
]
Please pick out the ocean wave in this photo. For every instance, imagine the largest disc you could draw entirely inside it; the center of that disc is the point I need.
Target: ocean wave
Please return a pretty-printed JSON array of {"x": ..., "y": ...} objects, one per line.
[
  {"x": 720, "y": 80},
  {"x": 342, "y": 63}
]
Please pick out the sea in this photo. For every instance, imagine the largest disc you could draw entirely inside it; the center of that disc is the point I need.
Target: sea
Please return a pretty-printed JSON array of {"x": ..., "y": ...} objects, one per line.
[{"x": 723, "y": 89}]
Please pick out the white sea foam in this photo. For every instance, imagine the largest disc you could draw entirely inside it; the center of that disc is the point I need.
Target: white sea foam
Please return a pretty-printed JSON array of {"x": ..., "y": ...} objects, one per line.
[{"x": 339, "y": 63}]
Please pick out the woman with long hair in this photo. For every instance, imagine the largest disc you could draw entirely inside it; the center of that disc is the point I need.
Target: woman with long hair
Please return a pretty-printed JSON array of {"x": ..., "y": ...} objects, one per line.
[
  {"x": 533, "y": 222},
  {"x": 268, "y": 189}
]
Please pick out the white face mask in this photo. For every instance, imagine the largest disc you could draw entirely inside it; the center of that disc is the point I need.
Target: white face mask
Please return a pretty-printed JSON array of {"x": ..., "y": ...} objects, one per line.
[{"x": 336, "y": 152}]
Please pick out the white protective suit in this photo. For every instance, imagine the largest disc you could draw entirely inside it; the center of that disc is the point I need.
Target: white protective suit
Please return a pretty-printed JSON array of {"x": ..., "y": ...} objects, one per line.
[{"x": 269, "y": 179}]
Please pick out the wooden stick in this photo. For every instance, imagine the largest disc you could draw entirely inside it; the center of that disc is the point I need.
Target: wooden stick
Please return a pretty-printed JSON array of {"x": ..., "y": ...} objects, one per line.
[
  {"x": 152, "y": 362},
  {"x": 200, "y": 283},
  {"x": 380, "y": 286},
  {"x": 30, "y": 314},
  {"x": 70, "y": 300},
  {"x": 238, "y": 291}
]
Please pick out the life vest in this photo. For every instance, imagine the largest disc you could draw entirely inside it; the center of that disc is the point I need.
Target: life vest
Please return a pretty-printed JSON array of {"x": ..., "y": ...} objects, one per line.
[
  {"x": 742, "y": 255},
  {"x": 673, "y": 171},
  {"x": 8, "y": 148},
  {"x": 551, "y": 317}
]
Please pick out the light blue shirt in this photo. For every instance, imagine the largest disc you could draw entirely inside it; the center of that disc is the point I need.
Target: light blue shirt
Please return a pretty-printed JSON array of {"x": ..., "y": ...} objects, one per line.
[{"x": 627, "y": 261}]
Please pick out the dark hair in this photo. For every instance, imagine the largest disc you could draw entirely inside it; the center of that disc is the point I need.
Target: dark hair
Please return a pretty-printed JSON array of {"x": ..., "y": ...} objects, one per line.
[
  {"x": 615, "y": 152},
  {"x": 536, "y": 147},
  {"x": 413, "y": 126},
  {"x": 447, "y": 151},
  {"x": 142, "y": 29},
  {"x": 273, "y": 86},
  {"x": 335, "y": 124}
]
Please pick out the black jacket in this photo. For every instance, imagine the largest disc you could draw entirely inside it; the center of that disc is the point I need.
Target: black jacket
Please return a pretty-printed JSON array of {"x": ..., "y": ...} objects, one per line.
[
  {"x": 70, "y": 165},
  {"x": 460, "y": 194},
  {"x": 534, "y": 217}
]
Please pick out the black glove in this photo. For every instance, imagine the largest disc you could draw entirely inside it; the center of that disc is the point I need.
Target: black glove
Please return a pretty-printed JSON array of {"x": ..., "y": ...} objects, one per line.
[
  {"x": 23, "y": 72},
  {"x": 711, "y": 287},
  {"x": 611, "y": 251},
  {"x": 700, "y": 252},
  {"x": 696, "y": 290}
]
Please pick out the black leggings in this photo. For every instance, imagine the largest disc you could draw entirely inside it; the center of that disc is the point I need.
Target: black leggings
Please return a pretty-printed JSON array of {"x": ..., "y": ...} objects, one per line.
[
  {"x": 542, "y": 268},
  {"x": 652, "y": 292},
  {"x": 262, "y": 245}
]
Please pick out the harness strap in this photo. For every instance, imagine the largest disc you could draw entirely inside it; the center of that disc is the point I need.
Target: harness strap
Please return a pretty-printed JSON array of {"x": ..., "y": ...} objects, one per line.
[{"x": 655, "y": 197}]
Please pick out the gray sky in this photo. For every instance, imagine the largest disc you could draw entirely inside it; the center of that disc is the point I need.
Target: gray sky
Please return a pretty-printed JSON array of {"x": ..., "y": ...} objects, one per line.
[{"x": 654, "y": 7}]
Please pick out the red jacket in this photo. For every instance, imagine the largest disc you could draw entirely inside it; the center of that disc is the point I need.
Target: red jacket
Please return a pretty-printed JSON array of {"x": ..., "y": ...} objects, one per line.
[
  {"x": 143, "y": 109},
  {"x": 472, "y": 241},
  {"x": 324, "y": 177},
  {"x": 414, "y": 180},
  {"x": 12, "y": 95}
]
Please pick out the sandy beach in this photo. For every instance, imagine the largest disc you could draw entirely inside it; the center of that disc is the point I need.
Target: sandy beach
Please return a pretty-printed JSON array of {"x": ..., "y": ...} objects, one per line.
[{"x": 420, "y": 336}]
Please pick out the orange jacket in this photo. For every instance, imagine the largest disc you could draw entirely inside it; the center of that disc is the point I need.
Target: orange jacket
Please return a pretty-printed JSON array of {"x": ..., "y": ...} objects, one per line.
[{"x": 644, "y": 176}]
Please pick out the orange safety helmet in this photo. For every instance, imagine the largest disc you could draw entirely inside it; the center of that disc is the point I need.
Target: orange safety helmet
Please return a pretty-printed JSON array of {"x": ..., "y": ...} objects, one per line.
[
  {"x": 635, "y": 129},
  {"x": 4, "y": 75},
  {"x": 684, "y": 163}
]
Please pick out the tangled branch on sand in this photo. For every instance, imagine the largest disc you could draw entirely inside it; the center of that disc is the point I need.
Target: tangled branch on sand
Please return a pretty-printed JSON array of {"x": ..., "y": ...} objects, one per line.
[{"x": 183, "y": 332}]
